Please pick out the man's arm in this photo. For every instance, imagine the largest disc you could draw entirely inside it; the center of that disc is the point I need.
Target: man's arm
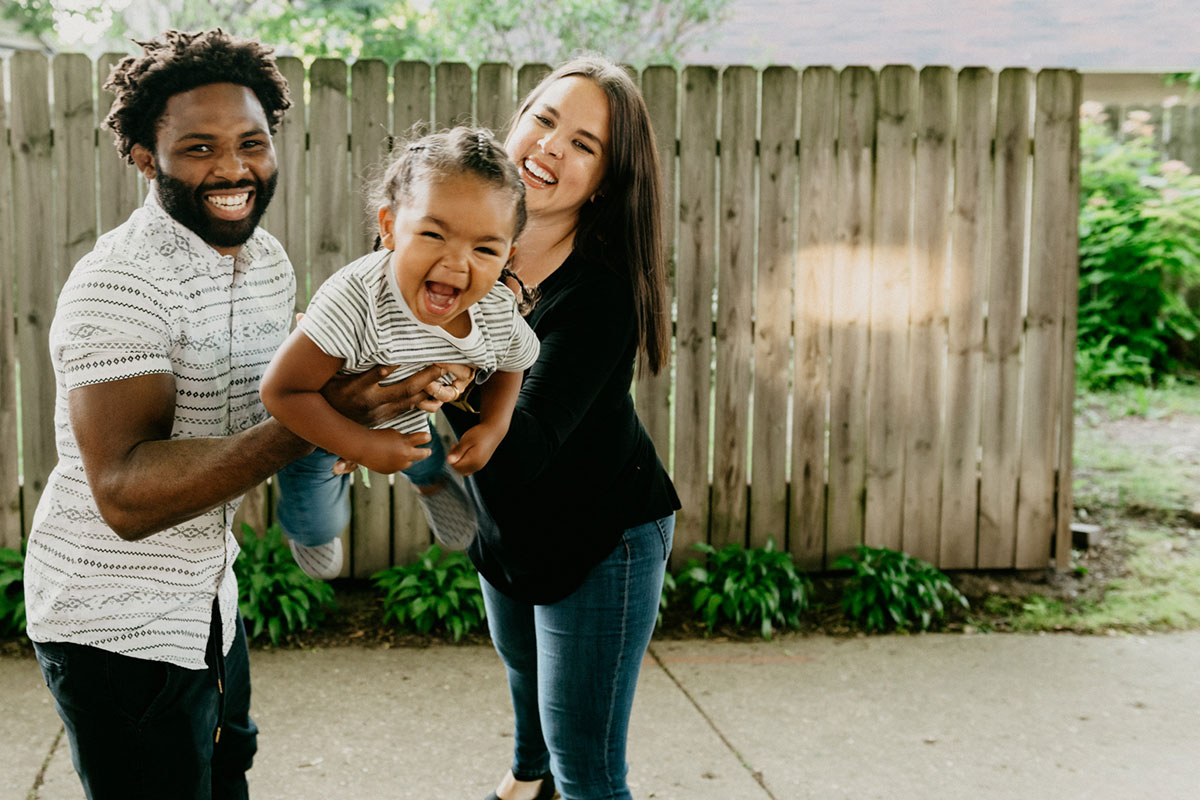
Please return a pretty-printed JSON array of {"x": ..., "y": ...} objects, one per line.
[{"x": 142, "y": 480}]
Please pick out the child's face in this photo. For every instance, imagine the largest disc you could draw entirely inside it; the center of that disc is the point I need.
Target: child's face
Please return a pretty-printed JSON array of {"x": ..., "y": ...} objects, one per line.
[{"x": 449, "y": 241}]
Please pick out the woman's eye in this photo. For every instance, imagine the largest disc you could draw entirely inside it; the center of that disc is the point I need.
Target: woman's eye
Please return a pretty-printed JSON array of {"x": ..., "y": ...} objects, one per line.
[
  {"x": 543, "y": 120},
  {"x": 582, "y": 146}
]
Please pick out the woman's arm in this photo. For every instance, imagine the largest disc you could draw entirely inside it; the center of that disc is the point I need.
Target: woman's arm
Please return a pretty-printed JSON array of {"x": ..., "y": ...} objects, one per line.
[{"x": 291, "y": 392}]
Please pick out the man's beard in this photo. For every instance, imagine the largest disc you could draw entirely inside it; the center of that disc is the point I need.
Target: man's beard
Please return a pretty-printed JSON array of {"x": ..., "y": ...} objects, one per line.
[{"x": 186, "y": 204}]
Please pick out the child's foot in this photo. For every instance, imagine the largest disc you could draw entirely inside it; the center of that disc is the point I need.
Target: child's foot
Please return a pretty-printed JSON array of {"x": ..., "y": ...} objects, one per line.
[
  {"x": 448, "y": 510},
  {"x": 322, "y": 561}
]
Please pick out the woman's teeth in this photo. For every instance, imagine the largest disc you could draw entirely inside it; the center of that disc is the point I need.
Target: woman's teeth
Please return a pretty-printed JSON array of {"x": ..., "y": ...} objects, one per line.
[{"x": 539, "y": 173}]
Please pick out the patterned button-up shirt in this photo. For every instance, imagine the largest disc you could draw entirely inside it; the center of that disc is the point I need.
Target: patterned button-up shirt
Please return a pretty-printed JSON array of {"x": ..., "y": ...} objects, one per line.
[{"x": 153, "y": 298}]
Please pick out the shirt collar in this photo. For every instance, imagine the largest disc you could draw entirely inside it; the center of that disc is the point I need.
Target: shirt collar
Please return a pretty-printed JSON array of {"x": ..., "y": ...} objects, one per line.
[{"x": 202, "y": 257}]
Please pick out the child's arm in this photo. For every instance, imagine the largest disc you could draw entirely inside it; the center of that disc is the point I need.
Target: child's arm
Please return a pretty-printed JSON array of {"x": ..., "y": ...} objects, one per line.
[
  {"x": 497, "y": 399},
  {"x": 291, "y": 391}
]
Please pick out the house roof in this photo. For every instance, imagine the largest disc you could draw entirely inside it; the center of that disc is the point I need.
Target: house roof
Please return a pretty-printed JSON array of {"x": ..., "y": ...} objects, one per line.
[{"x": 1107, "y": 35}]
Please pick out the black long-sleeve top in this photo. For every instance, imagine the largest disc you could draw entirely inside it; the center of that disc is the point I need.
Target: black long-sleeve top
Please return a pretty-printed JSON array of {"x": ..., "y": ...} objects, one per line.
[{"x": 576, "y": 468}]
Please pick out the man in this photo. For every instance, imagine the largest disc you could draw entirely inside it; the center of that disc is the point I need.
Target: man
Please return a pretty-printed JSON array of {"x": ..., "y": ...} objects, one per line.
[{"x": 160, "y": 338}]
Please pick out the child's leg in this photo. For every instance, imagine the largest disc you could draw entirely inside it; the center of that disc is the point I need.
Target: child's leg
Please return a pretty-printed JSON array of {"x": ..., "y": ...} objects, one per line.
[
  {"x": 448, "y": 509},
  {"x": 314, "y": 509}
]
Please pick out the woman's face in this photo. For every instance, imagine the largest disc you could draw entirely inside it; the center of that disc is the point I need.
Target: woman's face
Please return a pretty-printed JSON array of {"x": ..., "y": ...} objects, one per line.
[{"x": 560, "y": 145}]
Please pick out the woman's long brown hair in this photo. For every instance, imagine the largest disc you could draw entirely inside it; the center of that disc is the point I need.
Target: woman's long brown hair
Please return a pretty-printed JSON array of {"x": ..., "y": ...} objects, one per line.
[{"x": 625, "y": 218}]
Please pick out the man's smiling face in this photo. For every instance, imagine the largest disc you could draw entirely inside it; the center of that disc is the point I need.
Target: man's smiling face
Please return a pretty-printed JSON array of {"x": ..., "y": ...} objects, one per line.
[{"x": 213, "y": 163}]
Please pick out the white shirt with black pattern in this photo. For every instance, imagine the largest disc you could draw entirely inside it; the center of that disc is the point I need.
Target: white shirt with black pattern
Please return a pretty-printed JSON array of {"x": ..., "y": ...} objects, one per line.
[
  {"x": 359, "y": 315},
  {"x": 153, "y": 298}
]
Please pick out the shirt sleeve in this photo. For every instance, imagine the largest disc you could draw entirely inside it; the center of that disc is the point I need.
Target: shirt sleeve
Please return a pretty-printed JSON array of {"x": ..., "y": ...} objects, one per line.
[
  {"x": 523, "y": 346},
  {"x": 112, "y": 322},
  {"x": 337, "y": 317},
  {"x": 584, "y": 340}
]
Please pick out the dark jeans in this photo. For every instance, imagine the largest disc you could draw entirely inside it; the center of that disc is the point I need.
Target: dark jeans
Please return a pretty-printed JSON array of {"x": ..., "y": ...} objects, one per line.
[
  {"x": 148, "y": 729},
  {"x": 573, "y": 666}
]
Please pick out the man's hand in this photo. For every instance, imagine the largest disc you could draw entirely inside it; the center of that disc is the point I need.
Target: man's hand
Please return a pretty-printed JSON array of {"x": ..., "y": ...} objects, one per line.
[
  {"x": 362, "y": 399},
  {"x": 475, "y": 448}
]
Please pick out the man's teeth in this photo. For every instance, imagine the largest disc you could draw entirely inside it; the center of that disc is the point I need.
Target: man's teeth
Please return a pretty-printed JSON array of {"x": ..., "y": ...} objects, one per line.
[
  {"x": 229, "y": 200},
  {"x": 538, "y": 172}
]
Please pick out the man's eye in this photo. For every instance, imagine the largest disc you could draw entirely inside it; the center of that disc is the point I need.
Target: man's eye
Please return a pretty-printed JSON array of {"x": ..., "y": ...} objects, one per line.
[
  {"x": 199, "y": 148},
  {"x": 253, "y": 144}
]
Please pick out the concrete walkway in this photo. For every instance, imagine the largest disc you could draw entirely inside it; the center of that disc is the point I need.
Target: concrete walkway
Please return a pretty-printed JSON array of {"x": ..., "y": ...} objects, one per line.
[{"x": 935, "y": 716}]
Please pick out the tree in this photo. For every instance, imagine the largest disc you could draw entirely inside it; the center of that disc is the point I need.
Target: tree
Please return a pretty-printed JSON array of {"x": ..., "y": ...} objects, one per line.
[{"x": 632, "y": 31}]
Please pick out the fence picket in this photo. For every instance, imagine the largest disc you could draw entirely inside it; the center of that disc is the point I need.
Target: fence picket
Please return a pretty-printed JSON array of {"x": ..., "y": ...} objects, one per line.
[
  {"x": 75, "y": 156},
  {"x": 371, "y": 520},
  {"x": 694, "y": 288},
  {"x": 494, "y": 100},
  {"x": 10, "y": 487},
  {"x": 813, "y": 302},
  {"x": 968, "y": 288},
  {"x": 1052, "y": 235},
  {"x": 851, "y": 309},
  {"x": 1000, "y": 467},
  {"x": 773, "y": 307},
  {"x": 1066, "y": 245},
  {"x": 33, "y": 221},
  {"x": 286, "y": 217},
  {"x": 528, "y": 77},
  {"x": 891, "y": 276},
  {"x": 121, "y": 188},
  {"x": 452, "y": 95},
  {"x": 660, "y": 87},
  {"x": 734, "y": 345},
  {"x": 927, "y": 315}
]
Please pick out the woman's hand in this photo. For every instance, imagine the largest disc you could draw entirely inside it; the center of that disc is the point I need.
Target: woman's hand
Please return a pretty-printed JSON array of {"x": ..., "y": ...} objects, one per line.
[{"x": 362, "y": 399}]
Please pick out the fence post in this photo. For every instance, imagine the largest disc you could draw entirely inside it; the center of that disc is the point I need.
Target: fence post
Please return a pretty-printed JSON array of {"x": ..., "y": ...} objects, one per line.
[{"x": 10, "y": 489}]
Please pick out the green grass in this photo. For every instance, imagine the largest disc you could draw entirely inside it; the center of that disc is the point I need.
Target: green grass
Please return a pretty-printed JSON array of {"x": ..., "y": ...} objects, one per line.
[{"x": 1161, "y": 592}]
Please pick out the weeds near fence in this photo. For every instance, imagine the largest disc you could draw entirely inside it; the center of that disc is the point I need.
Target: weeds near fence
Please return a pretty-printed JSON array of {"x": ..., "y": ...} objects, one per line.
[
  {"x": 436, "y": 592},
  {"x": 275, "y": 597}
]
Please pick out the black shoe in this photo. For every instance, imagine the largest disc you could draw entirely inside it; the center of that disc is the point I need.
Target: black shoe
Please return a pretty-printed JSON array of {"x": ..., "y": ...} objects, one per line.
[{"x": 546, "y": 792}]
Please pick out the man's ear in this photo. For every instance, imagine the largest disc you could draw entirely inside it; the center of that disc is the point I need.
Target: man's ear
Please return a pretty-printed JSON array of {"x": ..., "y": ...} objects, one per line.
[
  {"x": 143, "y": 159},
  {"x": 386, "y": 222}
]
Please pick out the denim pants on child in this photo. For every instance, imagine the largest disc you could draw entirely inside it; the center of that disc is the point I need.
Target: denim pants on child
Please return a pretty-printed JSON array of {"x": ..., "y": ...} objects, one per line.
[
  {"x": 573, "y": 666},
  {"x": 149, "y": 730},
  {"x": 314, "y": 504}
]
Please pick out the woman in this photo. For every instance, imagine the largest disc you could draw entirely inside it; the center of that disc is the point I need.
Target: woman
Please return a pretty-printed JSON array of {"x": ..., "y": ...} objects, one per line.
[{"x": 578, "y": 512}]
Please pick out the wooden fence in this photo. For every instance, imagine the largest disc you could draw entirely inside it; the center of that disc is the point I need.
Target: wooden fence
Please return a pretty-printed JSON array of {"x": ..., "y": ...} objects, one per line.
[{"x": 873, "y": 278}]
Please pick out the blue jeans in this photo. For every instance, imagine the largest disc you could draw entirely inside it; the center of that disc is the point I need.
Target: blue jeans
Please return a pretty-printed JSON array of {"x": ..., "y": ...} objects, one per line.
[
  {"x": 147, "y": 730},
  {"x": 573, "y": 666},
  {"x": 314, "y": 504}
]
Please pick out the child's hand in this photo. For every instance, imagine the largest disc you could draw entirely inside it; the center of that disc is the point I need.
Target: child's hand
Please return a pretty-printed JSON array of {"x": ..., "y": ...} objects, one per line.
[
  {"x": 390, "y": 451},
  {"x": 474, "y": 448}
]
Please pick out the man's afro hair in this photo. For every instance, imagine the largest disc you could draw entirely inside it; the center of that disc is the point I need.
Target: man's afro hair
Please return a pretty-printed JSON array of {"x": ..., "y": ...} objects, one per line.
[{"x": 179, "y": 62}]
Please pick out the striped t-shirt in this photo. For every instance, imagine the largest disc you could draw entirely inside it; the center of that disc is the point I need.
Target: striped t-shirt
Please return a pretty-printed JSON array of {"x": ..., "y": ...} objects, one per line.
[
  {"x": 153, "y": 297},
  {"x": 359, "y": 315}
]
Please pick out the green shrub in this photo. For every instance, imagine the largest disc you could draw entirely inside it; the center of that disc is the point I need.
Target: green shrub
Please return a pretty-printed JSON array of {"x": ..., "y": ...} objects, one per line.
[
  {"x": 436, "y": 591},
  {"x": 759, "y": 587},
  {"x": 1139, "y": 254},
  {"x": 274, "y": 594},
  {"x": 12, "y": 593},
  {"x": 889, "y": 589}
]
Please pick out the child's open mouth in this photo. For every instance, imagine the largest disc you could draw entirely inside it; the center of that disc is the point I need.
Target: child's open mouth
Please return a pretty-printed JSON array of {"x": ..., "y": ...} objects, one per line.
[{"x": 440, "y": 297}]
